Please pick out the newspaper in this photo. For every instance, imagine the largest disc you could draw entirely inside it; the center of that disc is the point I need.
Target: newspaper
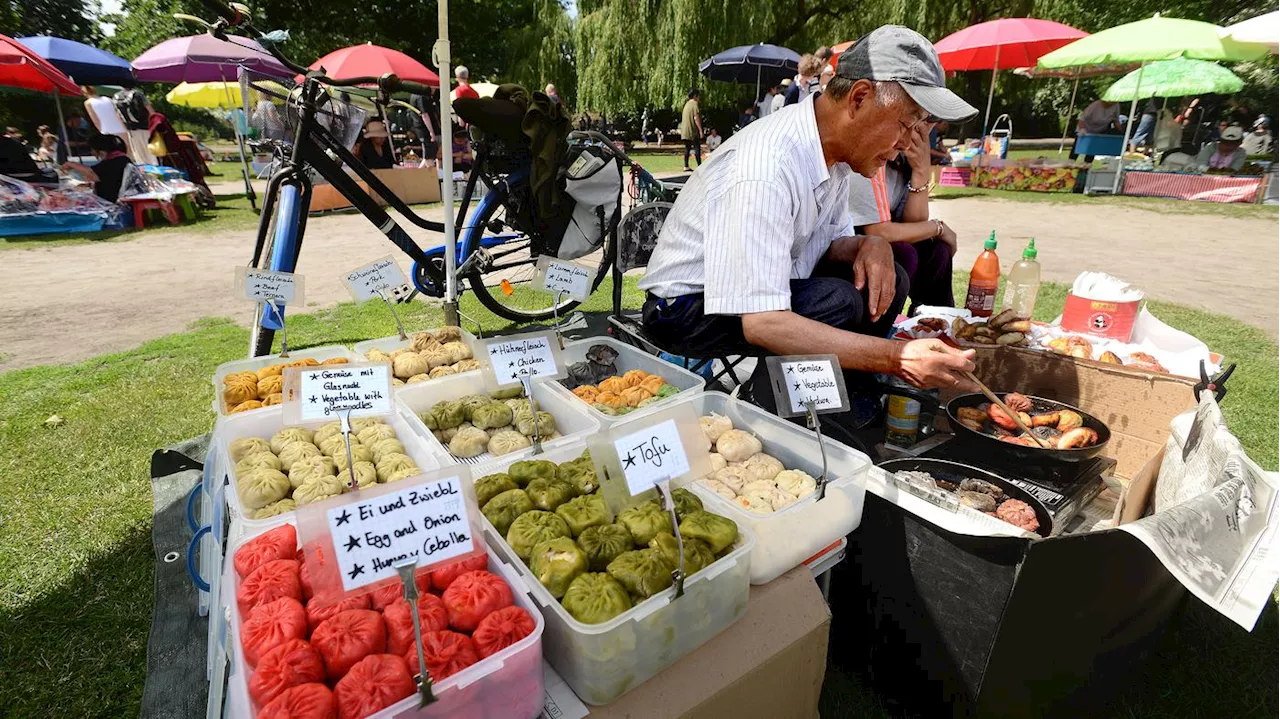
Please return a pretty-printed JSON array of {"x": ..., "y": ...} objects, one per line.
[{"x": 1215, "y": 523}]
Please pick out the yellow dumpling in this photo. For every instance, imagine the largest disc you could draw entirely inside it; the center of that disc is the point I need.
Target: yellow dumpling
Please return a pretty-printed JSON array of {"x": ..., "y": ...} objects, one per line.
[
  {"x": 317, "y": 489},
  {"x": 261, "y": 487},
  {"x": 371, "y": 434},
  {"x": 288, "y": 436},
  {"x": 246, "y": 446},
  {"x": 273, "y": 399},
  {"x": 366, "y": 475},
  {"x": 296, "y": 452},
  {"x": 448, "y": 334},
  {"x": 437, "y": 357},
  {"x": 256, "y": 460},
  {"x": 305, "y": 470},
  {"x": 423, "y": 341},
  {"x": 238, "y": 389},
  {"x": 359, "y": 453},
  {"x": 385, "y": 446}
]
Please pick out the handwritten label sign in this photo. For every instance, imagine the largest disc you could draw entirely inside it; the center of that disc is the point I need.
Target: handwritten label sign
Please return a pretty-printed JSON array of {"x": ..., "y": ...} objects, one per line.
[
  {"x": 428, "y": 522},
  {"x": 320, "y": 393},
  {"x": 267, "y": 286},
  {"x": 553, "y": 275},
  {"x": 797, "y": 380},
  {"x": 382, "y": 274},
  {"x": 530, "y": 356},
  {"x": 651, "y": 455}
]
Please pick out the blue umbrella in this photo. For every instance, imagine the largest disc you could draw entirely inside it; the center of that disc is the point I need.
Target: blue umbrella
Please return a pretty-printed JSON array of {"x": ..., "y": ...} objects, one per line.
[
  {"x": 86, "y": 65},
  {"x": 751, "y": 63}
]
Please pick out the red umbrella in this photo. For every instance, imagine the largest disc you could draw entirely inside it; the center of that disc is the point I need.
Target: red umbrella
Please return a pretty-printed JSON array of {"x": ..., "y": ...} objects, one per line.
[
  {"x": 21, "y": 68},
  {"x": 371, "y": 60}
]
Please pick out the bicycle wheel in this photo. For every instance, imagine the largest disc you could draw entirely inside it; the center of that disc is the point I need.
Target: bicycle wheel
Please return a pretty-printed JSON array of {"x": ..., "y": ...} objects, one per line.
[{"x": 503, "y": 274}]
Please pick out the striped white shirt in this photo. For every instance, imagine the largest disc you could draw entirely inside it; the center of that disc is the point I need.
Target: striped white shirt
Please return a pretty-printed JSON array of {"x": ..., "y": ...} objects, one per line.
[{"x": 760, "y": 213}]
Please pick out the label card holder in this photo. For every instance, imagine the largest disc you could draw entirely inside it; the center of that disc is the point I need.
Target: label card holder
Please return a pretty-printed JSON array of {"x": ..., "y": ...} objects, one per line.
[
  {"x": 380, "y": 278},
  {"x": 633, "y": 457},
  {"x": 354, "y": 542},
  {"x": 266, "y": 286},
  {"x": 320, "y": 394},
  {"x": 512, "y": 358},
  {"x": 796, "y": 379},
  {"x": 562, "y": 276}
]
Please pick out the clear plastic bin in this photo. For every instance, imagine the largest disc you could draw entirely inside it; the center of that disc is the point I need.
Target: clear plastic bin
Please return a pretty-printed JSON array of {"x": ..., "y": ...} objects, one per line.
[
  {"x": 393, "y": 343},
  {"x": 506, "y": 684},
  {"x": 572, "y": 420},
  {"x": 427, "y": 454},
  {"x": 601, "y": 662},
  {"x": 630, "y": 358},
  {"x": 785, "y": 539},
  {"x": 256, "y": 363}
]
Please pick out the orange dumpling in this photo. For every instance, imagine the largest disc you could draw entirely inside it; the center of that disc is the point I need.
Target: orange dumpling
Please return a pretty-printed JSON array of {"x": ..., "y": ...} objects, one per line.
[
  {"x": 653, "y": 383},
  {"x": 246, "y": 406},
  {"x": 586, "y": 393},
  {"x": 611, "y": 399},
  {"x": 614, "y": 385},
  {"x": 635, "y": 395},
  {"x": 271, "y": 371},
  {"x": 634, "y": 377},
  {"x": 336, "y": 360}
]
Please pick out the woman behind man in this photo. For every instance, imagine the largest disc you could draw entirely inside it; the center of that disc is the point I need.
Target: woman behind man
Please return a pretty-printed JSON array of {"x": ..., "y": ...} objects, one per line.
[{"x": 373, "y": 150}]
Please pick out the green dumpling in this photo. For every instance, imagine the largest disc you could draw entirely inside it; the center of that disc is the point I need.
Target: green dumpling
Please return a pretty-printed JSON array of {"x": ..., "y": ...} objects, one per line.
[
  {"x": 547, "y": 494},
  {"x": 644, "y": 521},
  {"x": 595, "y": 598},
  {"x": 644, "y": 572},
  {"x": 686, "y": 502},
  {"x": 448, "y": 414},
  {"x": 524, "y": 423},
  {"x": 531, "y": 528},
  {"x": 697, "y": 555},
  {"x": 582, "y": 512},
  {"x": 556, "y": 563},
  {"x": 508, "y": 393},
  {"x": 429, "y": 419},
  {"x": 581, "y": 473},
  {"x": 667, "y": 390},
  {"x": 527, "y": 470},
  {"x": 718, "y": 532},
  {"x": 503, "y": 509},
  {"x": 604, "y": 543},
  {"x": 471, "y": 401},
  {"x": 491, "y": 416},
  {"x": 490, "y": 486}
]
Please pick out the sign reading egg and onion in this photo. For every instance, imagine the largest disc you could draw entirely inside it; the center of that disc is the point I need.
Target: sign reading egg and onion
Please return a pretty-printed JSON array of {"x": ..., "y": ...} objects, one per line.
[
  {"x": 314, "y": 394},
  {"x": 800, "y": 380}
]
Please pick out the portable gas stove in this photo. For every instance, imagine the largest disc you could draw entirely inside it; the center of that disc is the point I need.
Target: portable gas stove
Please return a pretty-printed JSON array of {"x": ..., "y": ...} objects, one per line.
[{"x": 1065, "y": 488}]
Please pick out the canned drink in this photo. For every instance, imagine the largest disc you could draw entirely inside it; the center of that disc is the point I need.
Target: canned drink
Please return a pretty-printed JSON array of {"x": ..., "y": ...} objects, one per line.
[{"x": 902, "y": 421}]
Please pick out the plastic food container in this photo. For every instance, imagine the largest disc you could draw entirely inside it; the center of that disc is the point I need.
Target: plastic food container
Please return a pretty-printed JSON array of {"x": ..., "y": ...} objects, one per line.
[
  {"x": 601, "y": 662},
  {"x": 785, "y": 539},
  {"x": 630, "y": 358},
  {"x": 506, "y": 684},
  {"x": 572, "y": 420},
  {"x": 266, "y": 423},
  {"x": 319, "y": 354},
  {"x": 393, "y": 343}
]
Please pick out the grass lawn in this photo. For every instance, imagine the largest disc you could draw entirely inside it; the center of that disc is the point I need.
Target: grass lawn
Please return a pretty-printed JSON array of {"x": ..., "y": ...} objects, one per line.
[{"x": 75, "y": 514}]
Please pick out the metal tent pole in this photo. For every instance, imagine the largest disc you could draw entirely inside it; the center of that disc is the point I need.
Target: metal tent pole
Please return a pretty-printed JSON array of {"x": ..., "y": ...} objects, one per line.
[
  {"x": 991, "y": 93},
  {"x": 1128, "y": 128},
  {"x": 62, "y": 124},
  {"x": 235, "y": 127},
  {"x": 1071, "y": 111},
  {"x": 441, "y": 53}
]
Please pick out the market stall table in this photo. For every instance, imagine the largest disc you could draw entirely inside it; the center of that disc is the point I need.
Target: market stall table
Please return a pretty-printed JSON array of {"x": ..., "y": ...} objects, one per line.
[
  {"x": 1191, "y": 186},
  {"x": 413, "y": 185}
]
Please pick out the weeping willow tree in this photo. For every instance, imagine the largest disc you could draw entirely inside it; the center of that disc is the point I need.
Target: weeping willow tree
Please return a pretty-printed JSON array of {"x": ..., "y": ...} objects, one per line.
[{"x": 543, "y": 52}]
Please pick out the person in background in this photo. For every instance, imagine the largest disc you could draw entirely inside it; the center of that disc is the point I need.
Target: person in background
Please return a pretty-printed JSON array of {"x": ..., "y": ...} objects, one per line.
[
  {"x": 48, "y": 151},
  {"x": 747, "y": 116},
  {"x": 938, "y": 154},
  {"x": 1146, "y": 126},
  {"x": 374, "y": 150},
  {"x": 15, "y": 134},
  {"x": 806, "y": 81},
  {"x": 828, "y": 72},
  {"x": 464, "y": 88},
  {"x": 551, "y": 93},
  {"x": 266, "y": 119},
  {"x": 181, "y": 154},
  {"x": 103, "y": 114},
  {"x": 1258, "y": 141},
  {"x": 136, "y": 112},
  {"x": 1224, "y": 154},
  {"x": 1100, "y": 117},
  {"x": 894, "y": 205},
  {"x": 108, "y": 175},
  {"x": 461, "y": 151},
  {"x": 713, "y": 140},
  {"x": 427, "y": 110},
  {"x": 765, "y": 106},
  {"x": 691, "y": 129},
  {"x": 780, "y": 95}
]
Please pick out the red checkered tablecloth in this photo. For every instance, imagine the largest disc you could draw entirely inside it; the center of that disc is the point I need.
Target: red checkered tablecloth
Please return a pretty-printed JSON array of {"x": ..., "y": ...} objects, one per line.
[{"x": 1207, "y": 188}]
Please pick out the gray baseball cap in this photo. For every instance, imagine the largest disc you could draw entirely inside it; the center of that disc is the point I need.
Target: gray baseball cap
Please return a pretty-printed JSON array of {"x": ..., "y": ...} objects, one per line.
[{"x": 902, "y": 55}]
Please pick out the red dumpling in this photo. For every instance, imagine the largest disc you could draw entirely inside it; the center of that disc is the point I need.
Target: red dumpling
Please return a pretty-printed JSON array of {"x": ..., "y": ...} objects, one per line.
[
  {"x": 446, "y": 653},
  {"x": 374, "y": 683},
  {"x": 271, "y": 624},
  {"x": 305, "y": 701},
  {"x": 473, "y": 596},
  {"x": 279, "y": 543},
  {"x": 347, "y": 637},
  {"x": 287, "y": 665},
  {"x": 501, "y": 629},
  {"x": 273, "y": 580},
  {"x": 388, "y": 594},
  {"x": 443, "y": 577},
  {"x": 317, "y": 612},
  {"x": 399, "y": 618}
]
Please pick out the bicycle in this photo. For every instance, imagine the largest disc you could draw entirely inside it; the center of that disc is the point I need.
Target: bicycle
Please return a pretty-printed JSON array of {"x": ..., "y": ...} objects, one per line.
[{"x": 495, "y": 247}]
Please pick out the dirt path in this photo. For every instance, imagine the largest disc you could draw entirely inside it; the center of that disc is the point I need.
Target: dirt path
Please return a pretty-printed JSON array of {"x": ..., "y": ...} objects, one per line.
[{"x": 113, "y": 296}]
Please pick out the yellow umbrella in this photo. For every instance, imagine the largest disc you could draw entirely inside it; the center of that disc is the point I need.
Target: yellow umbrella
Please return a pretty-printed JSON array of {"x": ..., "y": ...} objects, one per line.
[{"x": 207, "y": 95}]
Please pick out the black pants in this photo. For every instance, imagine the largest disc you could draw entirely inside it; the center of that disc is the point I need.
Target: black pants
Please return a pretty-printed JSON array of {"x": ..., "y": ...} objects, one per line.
[
  {"x": 696, "y": 147},
  {"x": 682, "y": 326}
]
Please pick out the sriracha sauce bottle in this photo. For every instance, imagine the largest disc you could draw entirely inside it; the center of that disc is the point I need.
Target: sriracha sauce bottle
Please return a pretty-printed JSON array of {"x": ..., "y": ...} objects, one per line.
[{"x": 984, "y": 280}]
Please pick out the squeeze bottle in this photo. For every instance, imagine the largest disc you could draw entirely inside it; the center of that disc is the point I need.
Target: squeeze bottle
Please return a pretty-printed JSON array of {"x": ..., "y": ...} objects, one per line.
[
  {"x": 1023, "y": 283},
  {"x": 984, "y": 280}
]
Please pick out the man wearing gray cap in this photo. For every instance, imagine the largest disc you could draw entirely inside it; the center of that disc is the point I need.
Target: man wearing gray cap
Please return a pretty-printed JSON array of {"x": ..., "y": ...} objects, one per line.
[{"x": 759, "y": 256}]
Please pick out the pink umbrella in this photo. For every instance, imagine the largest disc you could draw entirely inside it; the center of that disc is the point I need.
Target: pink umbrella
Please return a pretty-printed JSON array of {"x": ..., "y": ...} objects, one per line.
[
  {"x": 1001, "y": 45},
  {"x": 205, "y": 58},
  {"x": 371, "y": 60}
]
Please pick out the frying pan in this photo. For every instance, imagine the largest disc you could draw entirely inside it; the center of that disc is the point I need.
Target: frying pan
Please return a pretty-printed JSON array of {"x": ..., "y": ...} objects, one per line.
[
  {"x": 1017, "y": 451},
  {"x": 955, "y": 471}
]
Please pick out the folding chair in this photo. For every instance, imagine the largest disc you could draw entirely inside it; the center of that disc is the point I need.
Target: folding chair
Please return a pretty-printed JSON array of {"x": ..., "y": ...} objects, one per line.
[{"x": 636, "y": 239}]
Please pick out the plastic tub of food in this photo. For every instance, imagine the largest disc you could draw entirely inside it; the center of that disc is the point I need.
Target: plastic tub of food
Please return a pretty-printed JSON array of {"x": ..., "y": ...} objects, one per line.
[
  {"x": 630, "y": 358},
  {"x": 601, "y": 662},
  {"x": 426, "y": 454},
  {"x": 786, "y": 538},
  {"x": 505, "y": 684},
  {"x": 573, "y": 422},
  {"x": 319, "y": 354}
]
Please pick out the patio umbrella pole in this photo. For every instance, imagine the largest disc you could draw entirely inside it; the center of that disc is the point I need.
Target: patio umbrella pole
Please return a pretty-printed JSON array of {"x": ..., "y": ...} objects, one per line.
[
  {"x": 1071, "y": 111},
  {"x": 1128, "y": 130},
  {"x": 441, "y": 55},
  {"x": 759, "y": 69},
  {"x": 62, "y": 124},
  {"x": 991, "y": 93},
  {"x": 235, "y": 127}
]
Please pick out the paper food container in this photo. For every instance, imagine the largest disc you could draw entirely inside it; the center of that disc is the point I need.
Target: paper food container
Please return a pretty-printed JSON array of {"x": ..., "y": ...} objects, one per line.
[{"x": 1113, "y": 320}]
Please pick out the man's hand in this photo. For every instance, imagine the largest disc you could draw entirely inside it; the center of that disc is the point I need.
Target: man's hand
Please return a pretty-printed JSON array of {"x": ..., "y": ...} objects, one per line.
[
  {"x": 948, "y": 237},
  {"x": 931, "y": 364},
  {"x": 873, "y": 269}
]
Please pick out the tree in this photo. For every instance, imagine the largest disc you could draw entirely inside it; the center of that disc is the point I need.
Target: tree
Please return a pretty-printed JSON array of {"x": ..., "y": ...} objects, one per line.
[{"x": 70, "y": 19}]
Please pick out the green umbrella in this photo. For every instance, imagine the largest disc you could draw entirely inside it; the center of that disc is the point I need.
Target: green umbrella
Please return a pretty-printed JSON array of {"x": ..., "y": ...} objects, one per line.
[
  {"x": 1145, "y": 41},
  {"x": 1175, "y": 78}
]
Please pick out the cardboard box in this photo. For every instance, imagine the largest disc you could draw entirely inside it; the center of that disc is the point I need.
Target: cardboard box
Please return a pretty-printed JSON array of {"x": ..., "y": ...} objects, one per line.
[
  {"x": 1113, "y": 320},
  {"x": 943, "y": 624},
  {"x": 770, "y": 664},
  {"x": 411, "y": 185}
]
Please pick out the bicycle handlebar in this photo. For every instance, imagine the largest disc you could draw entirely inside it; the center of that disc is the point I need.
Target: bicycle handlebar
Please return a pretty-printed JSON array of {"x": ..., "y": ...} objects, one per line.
[{"x": 603, "y": 139}]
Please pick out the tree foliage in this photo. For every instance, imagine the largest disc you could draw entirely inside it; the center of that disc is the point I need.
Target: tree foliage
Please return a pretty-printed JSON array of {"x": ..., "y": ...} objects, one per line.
[{"x": 70, "y": 19}]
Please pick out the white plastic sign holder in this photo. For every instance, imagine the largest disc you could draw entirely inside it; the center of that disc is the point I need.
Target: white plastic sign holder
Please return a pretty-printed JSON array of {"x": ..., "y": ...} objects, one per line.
[
  {"x": 359, "y": 389},
  {"x": 562, "y": 277},
  {"x": 809, "y": 385},
  {"x": 271, "y": 291},
  {"x": 510, "y": 360},
  {"x": 383, "y": 279}
]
